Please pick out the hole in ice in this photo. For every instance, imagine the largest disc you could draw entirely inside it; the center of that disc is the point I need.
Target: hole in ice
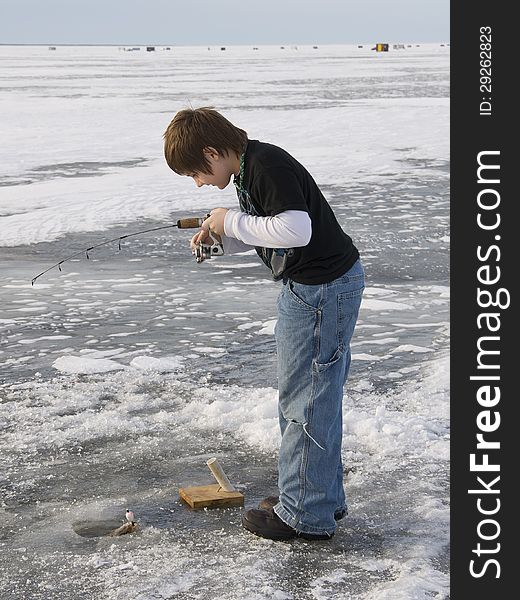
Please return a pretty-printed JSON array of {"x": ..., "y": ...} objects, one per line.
[{"x": 100, "y": 528}]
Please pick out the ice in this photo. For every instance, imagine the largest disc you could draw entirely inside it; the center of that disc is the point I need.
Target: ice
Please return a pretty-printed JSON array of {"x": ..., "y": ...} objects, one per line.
[
  {"x": 209, "y": 350},
  {"x": 162, "y": 365},
  {"x": 84, "y": 365},
  {"x": 411, "y": 348},
  {"x": 44, "y": 337},
  {"x": 371, "y": 304},
  {"x": 402, "y": 129},
  {"x": 268, "y": 327},
  {"x": 229, "y": 265},
  {"x": 121, "y": 375},
  {"x": 369, "y": 357}
]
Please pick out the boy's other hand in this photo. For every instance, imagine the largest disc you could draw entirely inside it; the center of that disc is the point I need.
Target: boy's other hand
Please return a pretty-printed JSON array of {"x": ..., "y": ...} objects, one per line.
[{"x": 215, "y": 221}]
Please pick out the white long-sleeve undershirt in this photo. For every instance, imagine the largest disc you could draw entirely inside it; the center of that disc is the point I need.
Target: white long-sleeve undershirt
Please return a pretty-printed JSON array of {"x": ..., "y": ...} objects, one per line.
[
  {"x": 234, "y": 246},
  {"x": 288, "y": 229}
]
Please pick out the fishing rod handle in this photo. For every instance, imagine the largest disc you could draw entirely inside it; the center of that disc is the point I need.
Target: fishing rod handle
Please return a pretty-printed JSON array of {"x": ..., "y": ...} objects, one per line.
[{"x": 191, "y": 223}]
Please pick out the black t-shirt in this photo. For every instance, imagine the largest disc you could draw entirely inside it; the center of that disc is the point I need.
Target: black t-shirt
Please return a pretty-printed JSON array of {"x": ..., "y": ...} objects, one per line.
[{"x": 273, "y": 182}]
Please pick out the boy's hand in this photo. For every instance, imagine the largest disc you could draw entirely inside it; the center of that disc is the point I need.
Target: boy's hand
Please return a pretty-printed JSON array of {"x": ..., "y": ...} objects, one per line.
[
  {"x": 204, "y": 237},
  {"x": 215, "y": 221}
]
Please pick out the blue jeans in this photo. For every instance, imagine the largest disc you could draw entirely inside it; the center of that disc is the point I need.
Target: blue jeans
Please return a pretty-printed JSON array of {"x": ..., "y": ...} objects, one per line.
[{"x": 313, "y": 332}]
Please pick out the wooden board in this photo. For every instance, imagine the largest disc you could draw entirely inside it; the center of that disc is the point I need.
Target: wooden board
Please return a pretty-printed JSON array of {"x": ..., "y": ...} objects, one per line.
[{"x": 211, "y": 496}]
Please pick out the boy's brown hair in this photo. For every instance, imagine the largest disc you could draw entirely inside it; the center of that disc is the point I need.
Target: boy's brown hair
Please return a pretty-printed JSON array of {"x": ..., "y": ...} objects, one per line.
[{"x": 192, "y": 130}]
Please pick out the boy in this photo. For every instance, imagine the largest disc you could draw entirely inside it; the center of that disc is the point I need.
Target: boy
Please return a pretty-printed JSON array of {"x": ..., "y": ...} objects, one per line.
[{"x": 285, "y": 217}]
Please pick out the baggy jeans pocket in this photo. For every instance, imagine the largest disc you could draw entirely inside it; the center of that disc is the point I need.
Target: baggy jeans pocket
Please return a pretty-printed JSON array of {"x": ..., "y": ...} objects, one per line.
[
  {"x": 348, "y": 310},
  {"x": 339, "y": 329},
  {"x": 297, "y": 293},
  {"x": 338, "y": 355}
]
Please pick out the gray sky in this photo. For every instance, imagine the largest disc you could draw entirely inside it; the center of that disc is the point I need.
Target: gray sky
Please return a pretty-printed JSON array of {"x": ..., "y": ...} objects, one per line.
[{"x": 206, "y": 22}]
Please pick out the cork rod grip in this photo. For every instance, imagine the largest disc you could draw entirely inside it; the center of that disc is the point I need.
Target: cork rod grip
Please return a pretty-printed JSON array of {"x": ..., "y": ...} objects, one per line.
[
  {"x": 220, "y": 476},
  {"x": 191, "y": 223}
]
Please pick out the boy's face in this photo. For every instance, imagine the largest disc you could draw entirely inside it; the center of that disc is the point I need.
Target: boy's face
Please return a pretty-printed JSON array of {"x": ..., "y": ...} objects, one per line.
[{"x": 222, "y": 168}]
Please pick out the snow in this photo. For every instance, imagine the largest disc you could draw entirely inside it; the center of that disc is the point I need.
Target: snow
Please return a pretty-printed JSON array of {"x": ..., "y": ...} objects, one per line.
[
  {"x": 371, "y": 304},
  {"x": 400, "y": 127},
  {"x": 411, "y": 348},
  {"x": 268, "y": 328},
  {"x": 162, "y": 365},
  {"x": 84, "y": 365}
]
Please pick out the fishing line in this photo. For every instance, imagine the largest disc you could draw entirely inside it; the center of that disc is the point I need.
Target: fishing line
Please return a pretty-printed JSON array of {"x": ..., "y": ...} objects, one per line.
[{"x": 188, "y": 223}]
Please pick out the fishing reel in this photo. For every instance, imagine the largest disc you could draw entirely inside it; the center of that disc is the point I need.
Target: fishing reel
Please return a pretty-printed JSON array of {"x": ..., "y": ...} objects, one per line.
[{"x": 204, "y": 251}]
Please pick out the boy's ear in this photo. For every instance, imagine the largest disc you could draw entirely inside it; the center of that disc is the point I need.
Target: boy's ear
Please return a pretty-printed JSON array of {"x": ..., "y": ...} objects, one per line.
[{"x": 210, "y": 151}]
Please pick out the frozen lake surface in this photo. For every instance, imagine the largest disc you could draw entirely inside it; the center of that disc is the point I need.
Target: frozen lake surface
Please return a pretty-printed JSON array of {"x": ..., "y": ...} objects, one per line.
[{"x": 120, "y": 376}]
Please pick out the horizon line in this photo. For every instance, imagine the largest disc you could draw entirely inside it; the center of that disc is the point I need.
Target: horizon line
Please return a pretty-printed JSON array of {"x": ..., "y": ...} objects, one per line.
[{"x": 217, "y": 44}]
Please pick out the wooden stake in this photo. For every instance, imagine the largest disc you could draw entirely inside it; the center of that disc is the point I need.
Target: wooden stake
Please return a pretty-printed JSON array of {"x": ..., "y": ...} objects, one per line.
[{"x": 220, "y": 476}]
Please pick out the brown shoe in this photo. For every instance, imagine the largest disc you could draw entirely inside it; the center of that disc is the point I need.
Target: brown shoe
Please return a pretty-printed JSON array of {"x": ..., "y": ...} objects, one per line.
[
  {"x": 269, "y": 503},
  {"x": 267, "y": 524}
]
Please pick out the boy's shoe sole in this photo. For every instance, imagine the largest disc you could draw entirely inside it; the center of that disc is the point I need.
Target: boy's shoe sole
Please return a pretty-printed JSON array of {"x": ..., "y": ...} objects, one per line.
[
  {"x": 267, "y": 524},
  {"x": 269, "y": 502}
]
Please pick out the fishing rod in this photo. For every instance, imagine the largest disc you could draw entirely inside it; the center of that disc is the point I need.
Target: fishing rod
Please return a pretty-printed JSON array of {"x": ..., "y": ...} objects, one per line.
[{"x": 202, "y": 251}]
